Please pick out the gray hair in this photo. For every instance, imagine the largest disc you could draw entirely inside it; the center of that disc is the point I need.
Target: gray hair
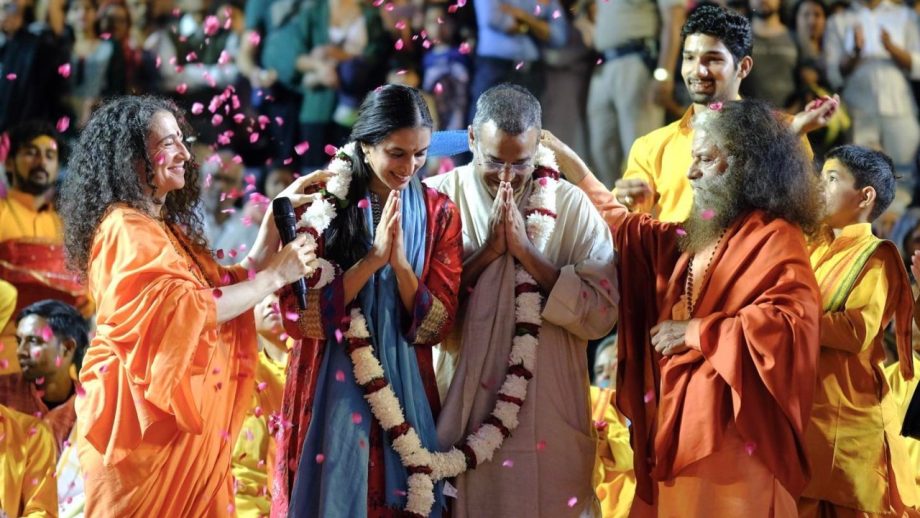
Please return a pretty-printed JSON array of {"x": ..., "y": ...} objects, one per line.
[{"x": 512, "y": 108}]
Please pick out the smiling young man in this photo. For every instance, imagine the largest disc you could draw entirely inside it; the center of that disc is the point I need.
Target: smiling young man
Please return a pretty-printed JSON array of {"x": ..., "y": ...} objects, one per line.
[
  {"x": 717, "y": 48},
  {"x": 576, "y": 274}
]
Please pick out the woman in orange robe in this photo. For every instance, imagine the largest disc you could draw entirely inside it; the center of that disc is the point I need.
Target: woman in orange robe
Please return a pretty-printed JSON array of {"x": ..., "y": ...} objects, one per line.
[{"x": 168, "y": 377}]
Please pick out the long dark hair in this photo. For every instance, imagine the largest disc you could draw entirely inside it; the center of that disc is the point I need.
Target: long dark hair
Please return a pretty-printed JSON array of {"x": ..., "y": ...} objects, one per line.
[
  {"x": 776, "y": 175},
  {"x": 388, "y": 109},
  {"x": 103, "y": 171}
]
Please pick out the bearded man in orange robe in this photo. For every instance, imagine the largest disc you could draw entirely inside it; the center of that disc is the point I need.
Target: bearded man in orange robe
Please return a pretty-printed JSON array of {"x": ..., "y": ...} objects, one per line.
[{"x": 719, "y": 330}]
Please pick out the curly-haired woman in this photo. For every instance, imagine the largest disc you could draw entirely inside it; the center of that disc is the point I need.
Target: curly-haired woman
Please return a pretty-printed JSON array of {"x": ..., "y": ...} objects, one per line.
[{"x": 167, "y": 377}]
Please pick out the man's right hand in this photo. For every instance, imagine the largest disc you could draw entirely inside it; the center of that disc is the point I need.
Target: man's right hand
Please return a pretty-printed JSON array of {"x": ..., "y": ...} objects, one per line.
[
  {"x": 633, "y": 193},
  {"x": 496, "y": 243}
]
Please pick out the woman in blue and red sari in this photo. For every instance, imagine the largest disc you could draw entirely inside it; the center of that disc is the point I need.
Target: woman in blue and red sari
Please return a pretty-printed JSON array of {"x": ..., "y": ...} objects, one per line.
[{"x": 399, "y": 244}]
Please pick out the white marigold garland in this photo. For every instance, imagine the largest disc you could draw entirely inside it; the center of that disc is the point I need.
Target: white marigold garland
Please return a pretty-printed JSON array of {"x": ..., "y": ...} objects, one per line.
[{"x": 426, "y": 467}]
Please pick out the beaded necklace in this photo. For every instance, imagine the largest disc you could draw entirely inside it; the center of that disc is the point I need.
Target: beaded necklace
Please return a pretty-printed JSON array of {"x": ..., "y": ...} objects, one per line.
[{"x": 688, "y": 287}]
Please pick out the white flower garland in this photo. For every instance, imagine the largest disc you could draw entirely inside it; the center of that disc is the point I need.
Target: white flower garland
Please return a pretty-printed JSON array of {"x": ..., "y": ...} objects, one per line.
[{"x": 426, "y": 467}]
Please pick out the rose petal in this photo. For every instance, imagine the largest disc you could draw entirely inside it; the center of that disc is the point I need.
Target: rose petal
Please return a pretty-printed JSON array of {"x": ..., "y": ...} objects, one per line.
[
  {"x": 750, "y": 447},
  {"x": 64, "y": 70},
  {"x": 254, "y": 137},
  {"x": 62, "y": 124},
  {"x": 541, "y": 445},
  {"x": 330, "y": 150},
  {"x": 707, "y": 214},
  {"x": 465, "y": 48},
  {"x": 508, "y": 463},
  {"x": 217, "y": 119},
  {"x": 356, "y": 418},
  {"x": 302, "y": 147},
  {"x": 438, "y": 88},
  {"x": 320, "y": 458},
  {"x": 181, "y": 89},
  {"x": 11, "y": 77},
  {"x": 363, "y": 203},
  {"x": 650, "y": 395},
  {"x": 217, "y": 293},
  {"x": 572, "y": 501},
  {"x": 681, "y": 232},
  {"x": 339, "y": 375}
]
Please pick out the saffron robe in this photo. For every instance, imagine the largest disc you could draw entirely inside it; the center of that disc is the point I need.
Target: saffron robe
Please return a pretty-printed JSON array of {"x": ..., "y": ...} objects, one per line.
[
  {"x": 166, "y": 386},
  {"x": 757, "y": 326},
  {"x": 853, "y": 441},
  {"x": 254, "y": 453},
  {"x": 27, "y": 456},
  {"x": 546, "y": 466},
  {"x": 616, "y": 484}
]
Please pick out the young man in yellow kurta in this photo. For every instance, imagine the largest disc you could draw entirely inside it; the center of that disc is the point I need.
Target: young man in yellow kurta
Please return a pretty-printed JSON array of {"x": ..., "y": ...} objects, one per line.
[
  {"x": 717, "y": 48},
  {"x": 859, "y": 461}
]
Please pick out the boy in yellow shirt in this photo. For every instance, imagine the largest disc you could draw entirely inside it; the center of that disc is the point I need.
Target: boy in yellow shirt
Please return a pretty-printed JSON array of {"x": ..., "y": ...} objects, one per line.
[{"x": 859, "y": 463}]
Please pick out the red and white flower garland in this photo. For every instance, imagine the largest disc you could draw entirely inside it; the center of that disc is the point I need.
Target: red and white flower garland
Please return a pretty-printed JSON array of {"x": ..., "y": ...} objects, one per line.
[{"x": 426, "y": 467}]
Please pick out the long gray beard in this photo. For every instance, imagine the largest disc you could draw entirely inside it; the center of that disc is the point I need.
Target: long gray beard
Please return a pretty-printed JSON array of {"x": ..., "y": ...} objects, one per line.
[{"x": 715, "y": 207}]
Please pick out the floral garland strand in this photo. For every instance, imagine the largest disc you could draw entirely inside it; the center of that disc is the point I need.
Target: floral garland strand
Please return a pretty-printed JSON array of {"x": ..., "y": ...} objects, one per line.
[{"x": 425, "y": 467}]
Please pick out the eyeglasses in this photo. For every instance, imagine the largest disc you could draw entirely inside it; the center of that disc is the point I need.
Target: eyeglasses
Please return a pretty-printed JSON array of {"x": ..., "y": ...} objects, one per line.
[{"x": 492, "y": 166}]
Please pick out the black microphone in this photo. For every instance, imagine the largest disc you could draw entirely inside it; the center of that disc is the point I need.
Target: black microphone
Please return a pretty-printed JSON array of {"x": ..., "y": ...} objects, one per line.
[{"x": 287, "y": 227}]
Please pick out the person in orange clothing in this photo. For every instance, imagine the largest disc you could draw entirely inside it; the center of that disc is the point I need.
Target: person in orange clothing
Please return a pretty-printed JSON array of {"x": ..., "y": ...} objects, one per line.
[
  {"x": 717, "y": 48},
  {"x": 616, "y": 481},
  {"x": 31, "y": 238},
  {"x": 27, "y": 456},
  {"x": 254, "y": 453},
  {"x": 859, "y": 460},
  {"x": 52, "y": 337},
  {"x": 718, "y": 350},
  {"x": 167, "y": 378}
]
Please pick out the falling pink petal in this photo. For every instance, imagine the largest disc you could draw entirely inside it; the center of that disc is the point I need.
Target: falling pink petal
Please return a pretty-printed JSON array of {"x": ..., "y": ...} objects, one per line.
[
  {"x": 650, "y": 395},
  {"x": 158, "y": 62},
  {"x": 62, "y": 124},
  {"x": 261, "y": 386},
  {"x": 251, "y": 274},
  {"x": 707, "y": 214},
  {"x": 263, "y": 121},
  {"x": 217, "y": 293},
  {"x": 40, "y": 380},
  {"x": 389, "y": 7},
  {"x": 239, "y": 118},
  {"x": 224, "y": 58},
  {"x": 279, "y": 121},
  {"x": 4, "y": 363},
  {"x": 302, "y": 147},
  {"x": 58, "y": 361},
  {"x": 181, "y": 89},
  {"x": 211, "y": 25},
  {"x": 80, "y": 391},
  {"x": 339, "y": 336},
  {"x": 254, "y": 137},
  {"x": 572, "y": 501},
  {"x": 217, "y": 119},
  {"x": 537, "y": 10},
  {"x": 320, "y": 458},
  {"x": 377, "y": 3},
  {"x": 219, "y": 253},
  {"x": 64, "y": 70},
  {"x": 599, "y": 61},
  {"x": 399, "y": 44},
  {"x": 356, "y": 418},
  {"x": 750, "y": 447},
  {"x": 438, "y": 88},
  {"x": 339, "y": 375},
  {"x": 330, "y": 150},
  {"x": 291, "y": 315},
  {"x": 508, "y": 463},
  {"x": 605, "y": 284},
  {"x": 556, "y": 14},
  {"x": 191, "y": 56},
  {"x": 519, "y": 66},
  {"x": 197, "y": 109},
  {"x": 230, "y": 508},
  {"x": 254, "y": 38},
  {"x": 465, "y": 48},
  {"x": 400, "y": 25},
  {"x": 105, "y": 36},
  {"x": 363, "y": 203},
  {"x": 681, "y": 232}
]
